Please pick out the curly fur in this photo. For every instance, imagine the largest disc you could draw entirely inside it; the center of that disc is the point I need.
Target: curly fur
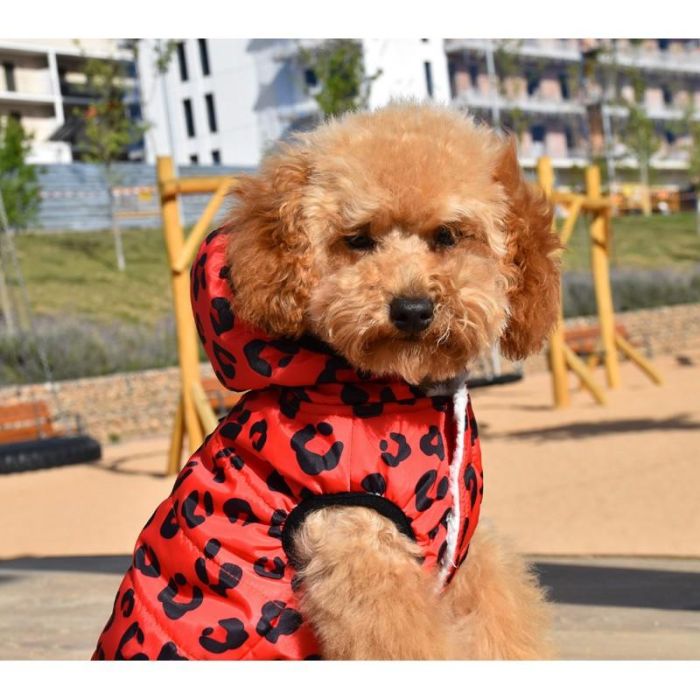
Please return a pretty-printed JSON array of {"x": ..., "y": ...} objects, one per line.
[{"x": 396, "y": 176}]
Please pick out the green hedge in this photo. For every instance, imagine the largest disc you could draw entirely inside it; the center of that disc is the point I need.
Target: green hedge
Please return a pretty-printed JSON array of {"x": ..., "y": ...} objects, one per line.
[{"x": 83, "y": 348}]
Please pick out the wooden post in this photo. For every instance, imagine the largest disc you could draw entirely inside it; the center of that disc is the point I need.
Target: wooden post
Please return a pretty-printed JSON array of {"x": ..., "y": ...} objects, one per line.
[
  {"x": 188, "y": 350},
  {"x": 601, "y": 279},
  {"x": 557, "y": 359}
]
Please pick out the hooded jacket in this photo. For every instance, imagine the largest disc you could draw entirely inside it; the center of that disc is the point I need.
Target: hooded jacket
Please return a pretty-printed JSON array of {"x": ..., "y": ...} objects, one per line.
[{"x": 212, "y": 575}]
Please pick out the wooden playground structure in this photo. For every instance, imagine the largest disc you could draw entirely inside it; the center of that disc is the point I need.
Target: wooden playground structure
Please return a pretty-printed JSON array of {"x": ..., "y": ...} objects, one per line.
[
  {"x": 195, "y": 417},
  {"x": 561, "y": 357}
]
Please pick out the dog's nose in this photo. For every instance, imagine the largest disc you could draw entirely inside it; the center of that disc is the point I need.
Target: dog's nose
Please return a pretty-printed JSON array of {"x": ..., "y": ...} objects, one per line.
[{"x": 411, "y": 314}]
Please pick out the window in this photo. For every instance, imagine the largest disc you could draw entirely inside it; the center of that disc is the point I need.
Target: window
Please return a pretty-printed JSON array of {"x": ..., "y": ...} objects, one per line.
[
  {"x": 204, "y": 56},
  {"x": 194, "y": 159},
  {"x": 9, "y": 70},
  {"x": 211, "y": 112},
  {"x": 538, "y": 132},
  {"x": 670, "y": 137},
  {"x": 425, "y": 41},
  {"x": 569, "y": 134},
  {"x": 668, "y": 95},
  {"x": 474, "y": 74},
  {"x": 428, "y": 78},
  {"x": 17, "y": 116},
  {"x": 182, "y": 61},
  {"x": 216, "y": 157},
  {"x": 564, "y": 86},
  {"x": 663, "y": 44},
  {"x": 533, "y": 83},
  {"x": 189, "y": 117},
  {"x": 310, "y": 77}
]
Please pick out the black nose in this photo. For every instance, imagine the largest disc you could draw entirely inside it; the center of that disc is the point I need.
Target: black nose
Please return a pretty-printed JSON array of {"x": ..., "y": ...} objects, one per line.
[{"x": 411, "y": 315}]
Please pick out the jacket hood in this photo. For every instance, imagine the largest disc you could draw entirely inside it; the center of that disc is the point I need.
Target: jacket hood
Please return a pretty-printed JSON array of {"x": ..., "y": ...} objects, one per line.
[{"x": 245, "y": 358}]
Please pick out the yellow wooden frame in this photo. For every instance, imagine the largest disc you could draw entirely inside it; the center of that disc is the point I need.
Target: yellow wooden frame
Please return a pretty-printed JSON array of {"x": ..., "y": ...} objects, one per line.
[
  {"x": 194, "y": 417},
  {"x": 562, "y": 357}
]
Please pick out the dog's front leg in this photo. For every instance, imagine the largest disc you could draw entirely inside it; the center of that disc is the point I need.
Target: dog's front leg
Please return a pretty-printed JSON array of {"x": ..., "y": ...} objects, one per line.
[
  {"x": 363, "y": 589},
  {"x": 499, "y": 608}
]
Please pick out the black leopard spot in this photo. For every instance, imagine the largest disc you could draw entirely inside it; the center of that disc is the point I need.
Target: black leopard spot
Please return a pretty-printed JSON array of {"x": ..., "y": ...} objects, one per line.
[
  {"x": 387, "y": 395},
  {"x": 225, "y": 360},
  {"x": 235, "y": 636},
  {"x": 276, "y": 482},
  {"x": 277, "y": 620},
  {"x": 221, "y": 315},
  {"x": 310, "y": 462},
  {"x": 329, "y": 374},
  {"x": 173, "y": 609},
  {"x": 290, "y": 401},
  {"x": 218, "y": 475},
  {"x": 236, "y": 508},
  {"x": 258, "y": 428},
  {"x": 473, "y": 429},
  {"x": 443, "y": 488},
  {"x": 134, "y": 632},
  {"x": 127, "y": 603},
  {"x": 229, "y": 454},
  {"x": 146, "y": 561},
  {"x": 231, "y": 428},
  {"x": 374, "y": 483},
  {"x": 403, "y": 450},
  {"x": 276, "y": 521},
  {"x": 189, "y": 507},
  {"x": 470, "y": 483},
  {"x": 431, "y": 443},
  {"x": 229, "y": 575},
  {"x": 181, "y": 477},
  {"x": 211, "y": 236},
  {"x": 169, "y": 652},
  {"x": 262, "y": 568},
  {"x": 199, "y": 275},
  {"x": 424, "y": 484},
  {"x": 170, "y": 526},
  {"x": 253, "y": 351}
]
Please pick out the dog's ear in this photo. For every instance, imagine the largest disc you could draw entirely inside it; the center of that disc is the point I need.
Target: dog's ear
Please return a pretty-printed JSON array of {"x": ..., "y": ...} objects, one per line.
[
  {"x": 532, "y": 260},
  {"x": 269, "y": 251}
]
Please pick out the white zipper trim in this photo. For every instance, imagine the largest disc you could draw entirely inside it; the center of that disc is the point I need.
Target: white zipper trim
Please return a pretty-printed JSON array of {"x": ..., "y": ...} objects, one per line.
[{"x": 459, "y": 400}]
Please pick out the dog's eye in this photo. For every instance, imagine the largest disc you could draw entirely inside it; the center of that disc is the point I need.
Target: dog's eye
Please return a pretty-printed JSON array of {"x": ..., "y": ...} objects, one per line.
[
  {"x": 444, "y": 237},
  {"x": 360, "y": 241}
]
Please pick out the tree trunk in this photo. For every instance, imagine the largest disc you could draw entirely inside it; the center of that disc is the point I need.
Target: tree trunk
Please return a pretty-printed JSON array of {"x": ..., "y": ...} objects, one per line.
[
  {"x": 697, "y": 212},
  {"x": 116, "y": 231},
  {"x": 646, "y": 193}
]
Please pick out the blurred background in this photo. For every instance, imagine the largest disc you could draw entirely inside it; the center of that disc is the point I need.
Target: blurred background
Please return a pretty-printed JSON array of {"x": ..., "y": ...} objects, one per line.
[{"x": 600, "y": 494}]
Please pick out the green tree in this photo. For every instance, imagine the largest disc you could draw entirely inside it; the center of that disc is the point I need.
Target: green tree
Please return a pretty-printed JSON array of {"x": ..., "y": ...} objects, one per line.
[
  {"x": 641, "y": 141},
  {"x": 108, "y": 129},
  {"x": 19, "y": 185},
  {"x": 338, "y": 65}
]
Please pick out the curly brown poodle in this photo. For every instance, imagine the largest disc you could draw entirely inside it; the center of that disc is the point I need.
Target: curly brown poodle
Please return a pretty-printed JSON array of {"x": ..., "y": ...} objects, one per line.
[{"x": 408, "y": 240}]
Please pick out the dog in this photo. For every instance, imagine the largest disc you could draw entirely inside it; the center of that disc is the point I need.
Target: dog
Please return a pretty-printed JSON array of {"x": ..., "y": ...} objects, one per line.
[{"x": 333, "y": 513}]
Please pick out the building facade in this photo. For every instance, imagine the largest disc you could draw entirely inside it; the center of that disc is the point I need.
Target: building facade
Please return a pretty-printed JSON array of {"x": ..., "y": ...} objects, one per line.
[
  {"x": 42, "y": 83},
  {"x": 225, "y": 101}
]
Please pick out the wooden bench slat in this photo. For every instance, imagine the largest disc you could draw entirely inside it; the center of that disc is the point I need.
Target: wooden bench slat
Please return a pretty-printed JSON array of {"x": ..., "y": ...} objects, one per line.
[{"x": 19, "y": 412}]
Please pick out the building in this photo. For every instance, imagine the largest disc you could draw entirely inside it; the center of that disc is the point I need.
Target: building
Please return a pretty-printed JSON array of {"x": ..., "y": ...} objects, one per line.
[
  {"x": 42, "y": 83},
  {"x": 565, "y": 97},
  {"x": 228, "y": 100}
]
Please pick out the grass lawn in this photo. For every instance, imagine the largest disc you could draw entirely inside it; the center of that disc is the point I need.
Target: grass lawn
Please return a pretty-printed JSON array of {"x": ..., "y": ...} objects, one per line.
[
  {"x": 76, "y": 274},
  {"x": 641, "y": 242}
]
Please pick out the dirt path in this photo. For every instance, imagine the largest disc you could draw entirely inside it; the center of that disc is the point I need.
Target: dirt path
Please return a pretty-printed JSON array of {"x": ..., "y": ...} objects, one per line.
[{"x": 619, "y": 480}]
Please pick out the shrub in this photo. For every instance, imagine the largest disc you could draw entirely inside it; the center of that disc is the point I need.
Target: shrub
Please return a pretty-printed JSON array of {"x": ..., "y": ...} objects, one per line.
[
  {"x": 632, "y": 289},
  {"x": 79, "y": 348}
]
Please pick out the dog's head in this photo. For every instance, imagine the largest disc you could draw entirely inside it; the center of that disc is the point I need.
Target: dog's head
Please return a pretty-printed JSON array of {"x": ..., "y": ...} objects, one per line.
[{"x": 406, "y": 238}]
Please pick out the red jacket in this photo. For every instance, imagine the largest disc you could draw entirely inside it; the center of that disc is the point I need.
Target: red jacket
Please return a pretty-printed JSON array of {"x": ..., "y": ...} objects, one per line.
[{"x": 212, "y": 575}]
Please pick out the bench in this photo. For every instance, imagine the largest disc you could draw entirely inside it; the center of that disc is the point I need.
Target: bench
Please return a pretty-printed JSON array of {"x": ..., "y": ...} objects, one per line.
[
  {"x": 586, "y": 341},
  {"x": 25, "y": 421},
  {"x": 29, "y": 440}
]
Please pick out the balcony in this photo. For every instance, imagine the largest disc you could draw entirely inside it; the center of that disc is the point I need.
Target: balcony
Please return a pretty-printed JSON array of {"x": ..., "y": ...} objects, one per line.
[
  {"x": 559, "y": 49},
  {"x": 687, "y": 61},
  {"x": 474, "y": 99}
]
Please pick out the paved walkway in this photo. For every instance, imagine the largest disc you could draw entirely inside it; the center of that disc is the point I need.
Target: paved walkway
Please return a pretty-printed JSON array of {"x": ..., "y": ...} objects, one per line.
[{"x": 55, "y": 607}]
